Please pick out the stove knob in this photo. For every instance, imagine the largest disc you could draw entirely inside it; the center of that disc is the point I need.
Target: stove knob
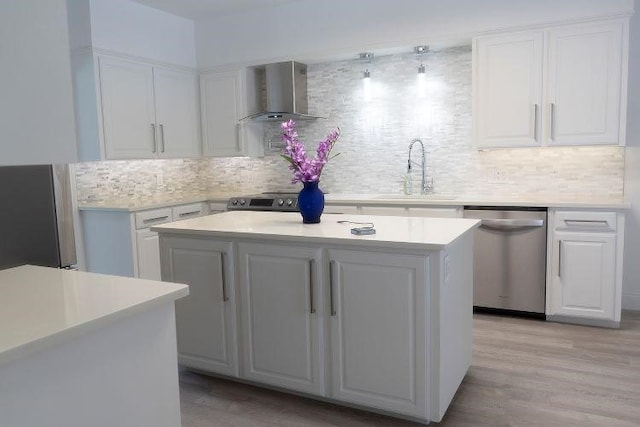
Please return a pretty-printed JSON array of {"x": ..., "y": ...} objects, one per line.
[
  {"x": 289, "y": 202},
  {"x": 280, "y": 202},
  {"x": 242, "y": 202},
  {"x": 234, "y": 202}
]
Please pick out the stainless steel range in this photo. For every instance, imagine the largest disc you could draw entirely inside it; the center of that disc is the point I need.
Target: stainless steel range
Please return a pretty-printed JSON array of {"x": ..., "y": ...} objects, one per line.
[{"x": 275, "y": 201}]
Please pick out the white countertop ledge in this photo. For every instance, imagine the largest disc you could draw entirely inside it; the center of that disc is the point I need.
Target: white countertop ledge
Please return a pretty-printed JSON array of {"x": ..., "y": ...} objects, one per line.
[
  {"x": 41, "y": 306},
  {"x": 395, "y": 232}
]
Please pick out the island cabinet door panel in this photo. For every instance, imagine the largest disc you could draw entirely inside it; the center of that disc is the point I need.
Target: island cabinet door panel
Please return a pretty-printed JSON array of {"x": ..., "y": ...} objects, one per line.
[
  {"x": 148, "y": 247},
  {"x": 378, "y": 330},
  {"x": 281, "y": 331},
  {"x": 583, "y": 274},
  {"x": 205, "y": 319}
]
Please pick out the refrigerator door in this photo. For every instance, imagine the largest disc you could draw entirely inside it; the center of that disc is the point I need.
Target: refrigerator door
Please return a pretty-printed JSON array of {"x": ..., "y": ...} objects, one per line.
[{"x": 29, "y": 221}]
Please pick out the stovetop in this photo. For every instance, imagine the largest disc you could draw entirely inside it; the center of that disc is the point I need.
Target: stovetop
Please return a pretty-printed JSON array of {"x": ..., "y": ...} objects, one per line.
[{"x": 281, "y": 201}]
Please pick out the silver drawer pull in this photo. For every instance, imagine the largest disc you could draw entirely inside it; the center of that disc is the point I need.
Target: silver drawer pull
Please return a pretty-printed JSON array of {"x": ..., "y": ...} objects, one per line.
[
  {"x": 160, "y": 218},
  {"x": 188, "y": 213},
  {"x": 586, "y": 221}
]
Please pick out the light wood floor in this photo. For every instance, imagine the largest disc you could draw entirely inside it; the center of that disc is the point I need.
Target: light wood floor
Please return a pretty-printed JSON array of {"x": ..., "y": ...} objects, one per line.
[{"x": 524, "y": 373}]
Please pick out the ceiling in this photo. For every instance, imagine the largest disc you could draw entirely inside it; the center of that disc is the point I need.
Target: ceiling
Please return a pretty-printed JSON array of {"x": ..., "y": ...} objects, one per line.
[{"x": 193, "y": 9}]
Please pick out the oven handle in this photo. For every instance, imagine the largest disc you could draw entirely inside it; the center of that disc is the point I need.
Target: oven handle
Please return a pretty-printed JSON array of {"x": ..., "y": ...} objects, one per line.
[{"x": 511, "y": 224}]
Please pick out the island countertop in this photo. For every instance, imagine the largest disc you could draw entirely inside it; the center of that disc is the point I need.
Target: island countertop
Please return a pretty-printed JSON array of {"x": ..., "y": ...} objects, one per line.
[
  {"x": 391, "y": 232},
  {"x": 41, "y": 306}
]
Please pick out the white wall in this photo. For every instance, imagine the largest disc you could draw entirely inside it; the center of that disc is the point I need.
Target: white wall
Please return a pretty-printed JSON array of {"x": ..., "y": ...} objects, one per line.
[
  {"x": 631, "y": 282},
  {"x": 131, "y": 28},
  {"x": 312, "y": 30},
  {"x": 36, "y": 107}
]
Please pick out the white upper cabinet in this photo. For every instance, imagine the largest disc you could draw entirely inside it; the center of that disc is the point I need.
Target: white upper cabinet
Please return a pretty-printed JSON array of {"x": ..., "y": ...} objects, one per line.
[
  {"x": 176, "y": 113},
  {"x": 130, "y": 109},
  {"x": 557, "y": 86},
  {"x": 223, "y": 103},
  {"x": 128, "y": 113},
  {"x": 508, "y": 90},
  {"x": 584, "y": 86}
]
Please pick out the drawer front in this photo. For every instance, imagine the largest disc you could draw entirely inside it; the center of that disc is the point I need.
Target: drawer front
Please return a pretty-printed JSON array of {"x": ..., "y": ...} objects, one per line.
[
  {"x": 191, "y": 210},
  {"x": 146, "y": 219},
  {"x": 217, "y": 207},
  {"x": 585, "y": 221}
]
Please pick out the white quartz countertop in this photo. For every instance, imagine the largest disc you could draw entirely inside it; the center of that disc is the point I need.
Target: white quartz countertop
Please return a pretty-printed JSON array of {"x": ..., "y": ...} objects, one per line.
[
  {"x": 134, "y": 204},
  {"x": 391, "y": 232},
  {"x": 41, "y": 306}
]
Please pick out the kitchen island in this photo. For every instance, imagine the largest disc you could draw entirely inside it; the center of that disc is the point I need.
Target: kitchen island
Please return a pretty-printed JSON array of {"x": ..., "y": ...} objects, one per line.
[
  {"x": 81, "y": 349},
  {"x": 382, "y": 321}
]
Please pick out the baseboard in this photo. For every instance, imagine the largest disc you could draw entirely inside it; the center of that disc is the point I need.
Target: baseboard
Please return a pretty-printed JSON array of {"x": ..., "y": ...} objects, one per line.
[{"x": 630, "y": 301}]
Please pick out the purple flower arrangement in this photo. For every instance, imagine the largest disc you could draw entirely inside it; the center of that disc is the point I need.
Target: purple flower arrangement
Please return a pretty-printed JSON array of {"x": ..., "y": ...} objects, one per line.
[{"x": 306, "y": 169}]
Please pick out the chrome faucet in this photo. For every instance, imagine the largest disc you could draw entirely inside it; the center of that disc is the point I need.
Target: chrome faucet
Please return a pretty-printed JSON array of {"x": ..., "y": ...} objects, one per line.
[{"x": 423, "y": 186}]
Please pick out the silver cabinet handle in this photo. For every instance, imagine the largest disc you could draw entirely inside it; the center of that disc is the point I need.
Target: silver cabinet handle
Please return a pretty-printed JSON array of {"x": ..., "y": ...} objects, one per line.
[
  {"x": 155, "y": 141},
  {"x": 332, "y": 308},
  {"x": 560, "y": 259},
  {"x": 312, "y": 308},
  {"x": 225, "y": 297},
  {"x": 188, "y": 213},
  {"x": 552, "y": 123},
  {"x": 158, "y": 218},
  {"x": 535, "y": 122},
  {"x": 506, "y": 224},
  {"x": 162, "y": 138},
  {"x": 586, "y": 221}
]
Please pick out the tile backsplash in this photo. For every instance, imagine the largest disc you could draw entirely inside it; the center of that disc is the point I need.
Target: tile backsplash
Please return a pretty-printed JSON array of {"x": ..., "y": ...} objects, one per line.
[{"x": 377, "y": 123}]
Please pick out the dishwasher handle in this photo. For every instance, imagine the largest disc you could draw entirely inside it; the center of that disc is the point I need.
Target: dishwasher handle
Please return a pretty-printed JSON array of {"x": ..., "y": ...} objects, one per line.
[{"x": 511, "y": 224}]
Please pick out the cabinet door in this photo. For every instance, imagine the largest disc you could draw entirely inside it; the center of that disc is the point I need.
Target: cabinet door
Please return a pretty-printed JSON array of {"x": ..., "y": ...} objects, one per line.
[
  {"x": 176, "y": 113},
  {"x": 281, "y": 331},
  {"x": 584, "y": 274},
  {"x": 508, "y": 90},
  {"x": 378, "y": 330},
  {"x": 148, "y": 245},
  {"x": 128, "y": 116},
  {"x": 585, "y": 71},
  {"x": 220, "y": 94},
  {"x": 205, "y": 319}
]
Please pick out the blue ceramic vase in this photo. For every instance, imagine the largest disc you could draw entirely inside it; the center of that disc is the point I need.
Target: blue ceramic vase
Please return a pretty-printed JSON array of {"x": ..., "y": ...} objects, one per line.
[{"x": 311, "y": 203}]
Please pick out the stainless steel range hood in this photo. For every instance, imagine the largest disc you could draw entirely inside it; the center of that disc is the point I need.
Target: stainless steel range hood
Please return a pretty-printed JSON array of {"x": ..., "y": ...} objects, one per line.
[{"x": 280, "y": 92}]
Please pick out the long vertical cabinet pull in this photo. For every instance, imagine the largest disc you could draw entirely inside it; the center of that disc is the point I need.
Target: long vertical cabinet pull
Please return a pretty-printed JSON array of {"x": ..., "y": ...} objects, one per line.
[
  {"x": 333, "y": 308},
  {"x": 162, "y": 138},
  {"x": 560, "y": 259},
  {"x": 155, "y": 141},
  {"x": 552, "y": 124},
  {"x": 225, "y": 297},
  {"x": 312, "y": 308},
  {"x": 535, "y": 122}
]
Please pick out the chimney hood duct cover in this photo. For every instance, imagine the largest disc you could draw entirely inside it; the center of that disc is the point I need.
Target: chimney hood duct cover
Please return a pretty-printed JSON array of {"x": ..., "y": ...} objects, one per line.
[{"x": 286, "y": 92}]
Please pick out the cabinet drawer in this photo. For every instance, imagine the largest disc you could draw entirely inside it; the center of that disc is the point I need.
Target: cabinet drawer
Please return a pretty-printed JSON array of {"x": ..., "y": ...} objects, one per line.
[
  {"x": 217, "y": 207},
  {"x": 188, "y": 211},
  {"x": 146, "y": 219},
  {"x": 585, "y": 220}
]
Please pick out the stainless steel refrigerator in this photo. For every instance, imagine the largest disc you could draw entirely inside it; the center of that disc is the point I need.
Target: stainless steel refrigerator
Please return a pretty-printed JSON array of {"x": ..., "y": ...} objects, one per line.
[{"x": 36, "y": 218}]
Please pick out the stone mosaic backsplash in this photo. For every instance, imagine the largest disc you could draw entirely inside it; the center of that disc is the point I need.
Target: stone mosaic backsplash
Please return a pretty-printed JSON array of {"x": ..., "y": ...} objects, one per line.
[{"x": 377, "y": 124}]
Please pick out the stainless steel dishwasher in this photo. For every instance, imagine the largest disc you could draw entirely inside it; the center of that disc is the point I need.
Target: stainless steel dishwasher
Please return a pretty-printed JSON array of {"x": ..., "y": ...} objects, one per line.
[{"x": 509, "y": 266}]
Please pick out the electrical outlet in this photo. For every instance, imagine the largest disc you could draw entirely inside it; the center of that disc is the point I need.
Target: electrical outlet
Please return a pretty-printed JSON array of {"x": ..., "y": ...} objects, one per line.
[{"x": 497, "y": 176}]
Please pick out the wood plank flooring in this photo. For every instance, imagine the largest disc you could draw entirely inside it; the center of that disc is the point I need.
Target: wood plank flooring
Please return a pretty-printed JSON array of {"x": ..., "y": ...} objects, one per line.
[{"x": 524, "y": 373}]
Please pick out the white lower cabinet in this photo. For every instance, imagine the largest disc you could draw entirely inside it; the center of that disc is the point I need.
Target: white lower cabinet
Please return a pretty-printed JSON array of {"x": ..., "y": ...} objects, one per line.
[
  {"x": 281, "y": 316},
  {"x": 378, "y": 330},
  {"x": 205, "y": 319},
  {"x": 584, "y": 269},
  {"x": 148, "y": 245}
]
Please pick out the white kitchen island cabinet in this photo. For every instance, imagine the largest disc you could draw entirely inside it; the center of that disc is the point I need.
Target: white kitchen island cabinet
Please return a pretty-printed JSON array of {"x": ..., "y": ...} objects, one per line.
[
  {"x": 81, "y": 349},
  {"x": 383, "y": 322}
]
